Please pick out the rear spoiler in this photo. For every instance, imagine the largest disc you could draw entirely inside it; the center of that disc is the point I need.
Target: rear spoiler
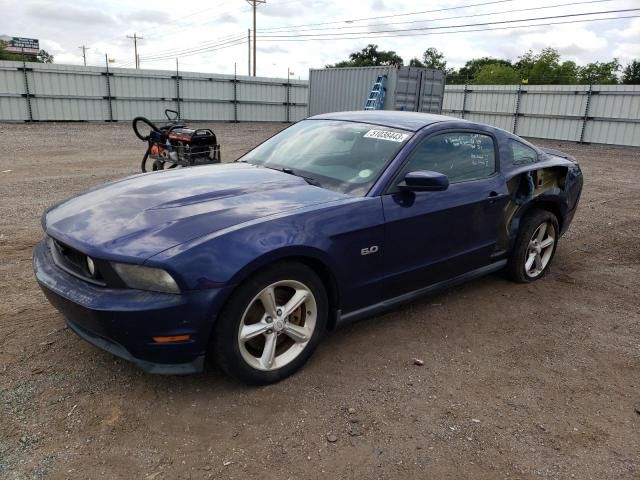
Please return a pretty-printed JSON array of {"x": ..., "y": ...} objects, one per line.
[{"x": 558, "y": 153}]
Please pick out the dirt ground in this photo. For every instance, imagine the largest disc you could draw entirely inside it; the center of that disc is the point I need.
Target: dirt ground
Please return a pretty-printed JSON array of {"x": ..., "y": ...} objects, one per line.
[{"x": 519, "y": 381}]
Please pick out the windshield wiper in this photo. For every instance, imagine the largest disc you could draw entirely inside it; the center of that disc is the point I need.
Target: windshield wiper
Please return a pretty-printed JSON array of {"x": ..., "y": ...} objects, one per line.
[{"x": 309, "y": 180}]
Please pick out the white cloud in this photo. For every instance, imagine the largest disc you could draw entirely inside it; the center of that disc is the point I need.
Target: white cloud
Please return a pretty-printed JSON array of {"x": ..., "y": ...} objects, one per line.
[{"x": 63, "y": 25}]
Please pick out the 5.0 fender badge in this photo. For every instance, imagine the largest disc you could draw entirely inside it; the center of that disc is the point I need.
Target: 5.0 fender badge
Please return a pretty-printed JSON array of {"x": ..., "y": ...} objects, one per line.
[{"x": 369, "y": 250}]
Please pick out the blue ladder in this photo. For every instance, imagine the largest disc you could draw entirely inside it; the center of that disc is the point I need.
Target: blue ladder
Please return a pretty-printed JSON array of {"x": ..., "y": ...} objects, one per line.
[{"x": 375, "y": 101}]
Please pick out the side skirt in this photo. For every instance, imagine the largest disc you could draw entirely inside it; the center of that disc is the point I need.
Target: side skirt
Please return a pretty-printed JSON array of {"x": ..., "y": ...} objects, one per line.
[{"x": 392, "y": 303}]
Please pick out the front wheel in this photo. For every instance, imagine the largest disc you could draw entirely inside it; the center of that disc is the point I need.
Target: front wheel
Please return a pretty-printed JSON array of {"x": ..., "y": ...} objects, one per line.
[
  {"x": 535, "y": 246},
  {"x": 271, "y": 325}
]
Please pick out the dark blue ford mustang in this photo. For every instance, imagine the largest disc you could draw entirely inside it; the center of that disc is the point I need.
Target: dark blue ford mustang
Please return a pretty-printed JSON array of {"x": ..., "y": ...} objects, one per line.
[{"x": 336, "y": 218}]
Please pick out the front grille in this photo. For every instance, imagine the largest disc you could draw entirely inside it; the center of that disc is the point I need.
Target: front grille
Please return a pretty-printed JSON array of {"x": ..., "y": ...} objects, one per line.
[{"x": 73, "y": 262}]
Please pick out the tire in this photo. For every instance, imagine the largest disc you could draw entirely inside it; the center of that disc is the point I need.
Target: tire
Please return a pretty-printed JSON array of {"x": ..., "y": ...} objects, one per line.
[
  {"x": 247, "y": 328},
  {"x": 535, "y": 246}
]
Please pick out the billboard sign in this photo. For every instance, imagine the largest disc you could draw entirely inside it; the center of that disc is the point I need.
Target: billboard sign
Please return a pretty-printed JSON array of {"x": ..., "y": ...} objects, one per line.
[{"x": 21, "y": 45}]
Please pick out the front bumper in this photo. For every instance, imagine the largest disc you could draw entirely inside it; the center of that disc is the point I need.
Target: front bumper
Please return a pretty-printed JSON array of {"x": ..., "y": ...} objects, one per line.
[{"x": 123, "y": 321}]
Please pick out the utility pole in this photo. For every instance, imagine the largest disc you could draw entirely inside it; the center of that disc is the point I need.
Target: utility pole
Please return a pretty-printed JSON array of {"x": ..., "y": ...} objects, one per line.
[
  {"x": 84, "y": 54},
  {"x": 135, "y": 48},
  {"x": 249, "y": 52},
  {"x": 254, "y": 4}
]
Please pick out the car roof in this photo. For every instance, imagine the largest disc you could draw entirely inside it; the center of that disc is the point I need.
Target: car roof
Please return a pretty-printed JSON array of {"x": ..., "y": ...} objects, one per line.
[{"x": 412, "y": 121}]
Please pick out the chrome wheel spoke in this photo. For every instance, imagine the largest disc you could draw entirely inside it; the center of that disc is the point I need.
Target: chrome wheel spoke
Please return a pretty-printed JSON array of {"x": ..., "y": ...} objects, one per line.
[
  {"x": 542, "y": 229},
  {"x": 298, "y": 299},
  {"x": 296, "y": 333},
  {"x": 269, "y": 352},
  {"x": 268, "y": 300},
  {"x": 252, "y": 331},
  {"x": 530, "y": 260},
  {"x": 547, "y": 242},
  {"x": 538, "y": 261}
]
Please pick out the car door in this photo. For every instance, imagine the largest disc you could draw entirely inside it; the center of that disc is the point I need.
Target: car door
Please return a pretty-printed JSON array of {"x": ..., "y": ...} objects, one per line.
[{"x": 431, "y": 236}]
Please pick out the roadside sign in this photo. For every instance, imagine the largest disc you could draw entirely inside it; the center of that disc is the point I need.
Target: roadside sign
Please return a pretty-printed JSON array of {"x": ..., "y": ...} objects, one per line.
[{"x": 21, "y": 45}]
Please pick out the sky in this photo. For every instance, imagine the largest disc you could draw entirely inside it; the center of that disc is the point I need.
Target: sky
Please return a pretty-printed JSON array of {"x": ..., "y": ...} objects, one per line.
[{"x": 331, "y": 29}]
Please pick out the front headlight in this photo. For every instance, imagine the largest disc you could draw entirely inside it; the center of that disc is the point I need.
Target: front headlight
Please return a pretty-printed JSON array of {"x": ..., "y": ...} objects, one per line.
[{"x": 146, "y": 278}]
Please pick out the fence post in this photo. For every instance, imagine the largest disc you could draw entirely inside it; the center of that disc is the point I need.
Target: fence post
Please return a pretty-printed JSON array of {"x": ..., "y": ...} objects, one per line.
[
  {"x": 464, "y": 100},
  {"x": 27, "y": 95},
  {"x": 516, "y": 114},
  {"x": 288, "y": 99},
  {"x": 107, "y": 75},
  {"x": 586, "y": 113},
  {"x": 235, "y": 97}
]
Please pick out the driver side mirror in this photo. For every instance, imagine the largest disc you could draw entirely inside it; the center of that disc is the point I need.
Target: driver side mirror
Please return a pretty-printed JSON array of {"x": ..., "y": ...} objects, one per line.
[{"x": 424, "y": 181}]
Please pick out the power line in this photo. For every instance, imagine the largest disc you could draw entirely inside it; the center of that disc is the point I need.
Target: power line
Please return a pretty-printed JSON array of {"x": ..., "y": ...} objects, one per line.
[
  {"x": 377, "y": 17},
  {"x": 220, "y": 46},
  {"x": 498, "y": 22},
  {"x": 201, "y": 48},
  {"x": 511, "y": 27},
  {"x": 501, "y": 12},
  {"x": 178, "y": 52},
  {"x": 239, "y": 41},
  {"x": 174, "y": 52}
]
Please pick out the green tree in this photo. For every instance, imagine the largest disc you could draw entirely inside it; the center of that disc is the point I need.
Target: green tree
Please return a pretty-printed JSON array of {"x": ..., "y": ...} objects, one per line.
[
  {"x": 567, "y": 73},
  {"x": 540, "y": 68},
  {"x": 496, "y": 74},
  {"x": 433, "y": 58},
  {"x": 4, "y": 55},
  {"x": 631, "y": 73},
  {"x": 603, "y": 73},
  {"x": 370, "y": 56},
  {"x": 467, "y": 73},
  {"x": 416, "y": 62}
]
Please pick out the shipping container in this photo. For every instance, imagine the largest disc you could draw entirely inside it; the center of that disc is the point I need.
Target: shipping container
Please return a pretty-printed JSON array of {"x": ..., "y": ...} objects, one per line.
[{"x": 411, "y": 89}]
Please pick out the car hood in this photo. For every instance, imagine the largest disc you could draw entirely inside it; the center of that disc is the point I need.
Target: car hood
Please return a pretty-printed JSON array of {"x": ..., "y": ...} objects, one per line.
[{"x": 137, "y": 217}]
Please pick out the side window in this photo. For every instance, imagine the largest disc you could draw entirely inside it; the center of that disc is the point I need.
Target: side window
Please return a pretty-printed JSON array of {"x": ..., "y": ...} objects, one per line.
[
  {"x": 521, "y": 154},
  {"x": 459, "y": 155}
]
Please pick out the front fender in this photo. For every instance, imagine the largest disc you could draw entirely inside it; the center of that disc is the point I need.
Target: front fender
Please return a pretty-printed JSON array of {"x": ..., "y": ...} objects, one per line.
[
  {"x": 284, "y": 252},
  {"x": 330, "y": 238}
]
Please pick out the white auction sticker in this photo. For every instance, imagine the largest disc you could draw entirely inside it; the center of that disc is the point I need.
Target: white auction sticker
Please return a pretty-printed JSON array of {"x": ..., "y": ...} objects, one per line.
[{"x": 387, "y": 135}]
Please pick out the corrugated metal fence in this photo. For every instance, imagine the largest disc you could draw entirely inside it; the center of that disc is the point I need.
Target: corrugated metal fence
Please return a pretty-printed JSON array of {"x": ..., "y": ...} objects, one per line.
[
  {"x": 579, "y": 113},
  {"x": 44, "y": 92}
]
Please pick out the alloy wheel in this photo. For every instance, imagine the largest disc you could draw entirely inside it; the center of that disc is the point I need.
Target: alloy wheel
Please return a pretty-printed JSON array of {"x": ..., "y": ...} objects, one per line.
[
  {"x": 277, "y": 325},
  {"x": 540, "y": 249}
]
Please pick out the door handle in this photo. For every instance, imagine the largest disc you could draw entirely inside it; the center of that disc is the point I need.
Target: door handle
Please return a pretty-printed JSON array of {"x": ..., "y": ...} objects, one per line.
[{"x": 493, "y": 196}]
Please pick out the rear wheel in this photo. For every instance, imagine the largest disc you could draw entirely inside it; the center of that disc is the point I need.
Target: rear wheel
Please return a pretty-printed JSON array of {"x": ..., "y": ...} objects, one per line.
[
  {"x": 272, "y": 324},
  {"x": 535, "y": 246}
]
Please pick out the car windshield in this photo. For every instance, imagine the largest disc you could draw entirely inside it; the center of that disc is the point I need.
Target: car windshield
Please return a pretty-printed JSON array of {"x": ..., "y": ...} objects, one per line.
[{"x": 346, "y": 157}]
